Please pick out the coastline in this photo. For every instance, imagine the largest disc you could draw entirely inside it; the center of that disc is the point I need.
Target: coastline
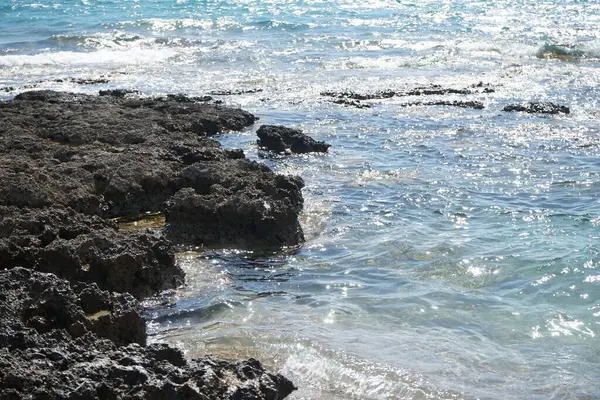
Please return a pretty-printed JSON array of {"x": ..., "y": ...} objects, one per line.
[{"x": 72, "y": 281}]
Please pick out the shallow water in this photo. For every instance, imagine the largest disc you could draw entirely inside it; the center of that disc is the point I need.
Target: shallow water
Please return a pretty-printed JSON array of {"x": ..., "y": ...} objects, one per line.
[{"x": 450, "y": 253}]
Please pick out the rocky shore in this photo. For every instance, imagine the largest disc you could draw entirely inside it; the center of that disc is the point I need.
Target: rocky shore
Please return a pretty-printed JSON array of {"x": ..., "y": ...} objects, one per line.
[{"x": 70, "y": 280}]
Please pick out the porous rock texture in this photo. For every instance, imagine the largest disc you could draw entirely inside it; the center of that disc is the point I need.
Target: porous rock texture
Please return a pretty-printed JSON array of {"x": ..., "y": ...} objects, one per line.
[
  {"x": 70, "y": 322},
  {"x": 431, "y": 90},
  {"x": 239, "y": 203},
  {"x": 282, "y": 139},
  {"x": 86, "y": 248},
  {"x": 538, "y": 108},
  {"x": 117, "y": 155},
  {"x": 63, "y": 342}
]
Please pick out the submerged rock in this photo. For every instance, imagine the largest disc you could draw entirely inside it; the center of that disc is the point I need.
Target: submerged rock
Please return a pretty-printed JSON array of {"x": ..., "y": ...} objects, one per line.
[
  {"x": 235, "y": 92},
  {"x": 385, "y": 94},
  {"x": 463, "y": 104},
  {"x": 561, "y": 52},
  {"x": 61, "y": 342},
  {"x": 118, "y": 92},
  {"x": 282, "y": 139},
  {"x": 352, "y": 103},
  {"x": 432, "y": 90},
  {"x": 538, "y": 108}
]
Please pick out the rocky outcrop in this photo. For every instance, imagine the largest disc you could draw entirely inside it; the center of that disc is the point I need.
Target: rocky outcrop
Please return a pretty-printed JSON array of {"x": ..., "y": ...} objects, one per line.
[
  {"x": 477, "y": 105},
  {"x": 223, "y": 206},
  {"x": 235, "y": 92},
  {"x": 70, "y": 322},
  {"x": 63, "y": 342},
  {"x": 43, "y": 303},
  {"x": 85, "y": 248},
  {"x": 351, "y": 103},
  {"x": 120, "y": 156},
  {"x": 538, "y": 108},
  {"x": 432, "y": 90},
  {"x": 281, "y": 139}
]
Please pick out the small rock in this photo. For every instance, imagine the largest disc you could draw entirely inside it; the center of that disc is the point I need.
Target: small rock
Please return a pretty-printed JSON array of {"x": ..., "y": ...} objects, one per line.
[
  {"x": 235, "y": 92},
  {"x": 351, "y": 103},
  {"x": 538, "y": 108},
  {"x": 118, "y": 92},
  {"x": 282, "y": 139},
  {"x": 463, "y": 104}
]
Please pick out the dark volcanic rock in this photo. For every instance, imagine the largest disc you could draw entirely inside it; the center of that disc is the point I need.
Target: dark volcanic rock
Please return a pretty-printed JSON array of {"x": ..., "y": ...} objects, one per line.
[
  {"x": 113, "y": 157},
  {"x": 87, "y": 249},
  {"x": 117, "y": 92},
  {"x": 463, "y": 104},
  {"x": 222, "y": 206},
  {"x": 140, "y": 263},
  {"x": 538, "y": 108},
  {"x": 282, "y": 139},
  {"x": 43, "y": 302},
  {"x": 54, "y": 346},
  {"x": 85, "y": 81},
  {"x": 69, "y": 162},
  {"x": 79, "y": 119},
  {"x": 351, "y": 103},
  {"x": 432, "y": 90},
  {"x": 386, "y": 94},
  {"x": 235, "y": 92}
]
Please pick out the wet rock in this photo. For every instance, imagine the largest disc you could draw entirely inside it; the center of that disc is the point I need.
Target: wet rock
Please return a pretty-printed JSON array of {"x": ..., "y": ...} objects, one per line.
[
  {"x": 432, "y": 90},
  {"x": 463, "y": 104},
  {"x": 118, "y": 92},
  {"x": 361, "y": 96},
  {"x": 224, "y": 205},
  {"x": 235, "y": 92},
  {"x": 435, "y": 90},
  {"x": 486, "y": 87},
  {"x": 538, "y": 108},
  {"x": 43, "y": 356},
  {"x": 282, "y": 139},
  {"x": 83, "y": 81},
  {"x": 351, "y": 103},
  {"x": 561, "y": 52}
]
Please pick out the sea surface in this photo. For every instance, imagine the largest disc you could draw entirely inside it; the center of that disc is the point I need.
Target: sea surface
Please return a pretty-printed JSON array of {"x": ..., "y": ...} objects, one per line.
[{"x": 450, "y": 252}]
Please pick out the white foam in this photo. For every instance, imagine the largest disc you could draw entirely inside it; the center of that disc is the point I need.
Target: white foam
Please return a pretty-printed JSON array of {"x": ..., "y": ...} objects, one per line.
[
  {"x": 101, "y": 57},
  {"x": 166, "y": 25}
]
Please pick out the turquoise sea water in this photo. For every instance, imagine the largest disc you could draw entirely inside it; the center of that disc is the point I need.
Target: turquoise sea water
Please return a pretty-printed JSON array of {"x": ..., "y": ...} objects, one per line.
[{"x": 450, "y": 253}]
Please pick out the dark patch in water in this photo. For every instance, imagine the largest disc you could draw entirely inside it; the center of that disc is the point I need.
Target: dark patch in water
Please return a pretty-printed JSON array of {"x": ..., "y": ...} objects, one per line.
[
  {"x": 477, "y": 105},
  {"x": 562, "y": 52},
  {"x": 194, "y": 315}
]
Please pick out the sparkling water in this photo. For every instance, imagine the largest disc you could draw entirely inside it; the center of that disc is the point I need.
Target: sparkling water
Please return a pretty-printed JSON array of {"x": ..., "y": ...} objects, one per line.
[{"x": 450, "y": 252}]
